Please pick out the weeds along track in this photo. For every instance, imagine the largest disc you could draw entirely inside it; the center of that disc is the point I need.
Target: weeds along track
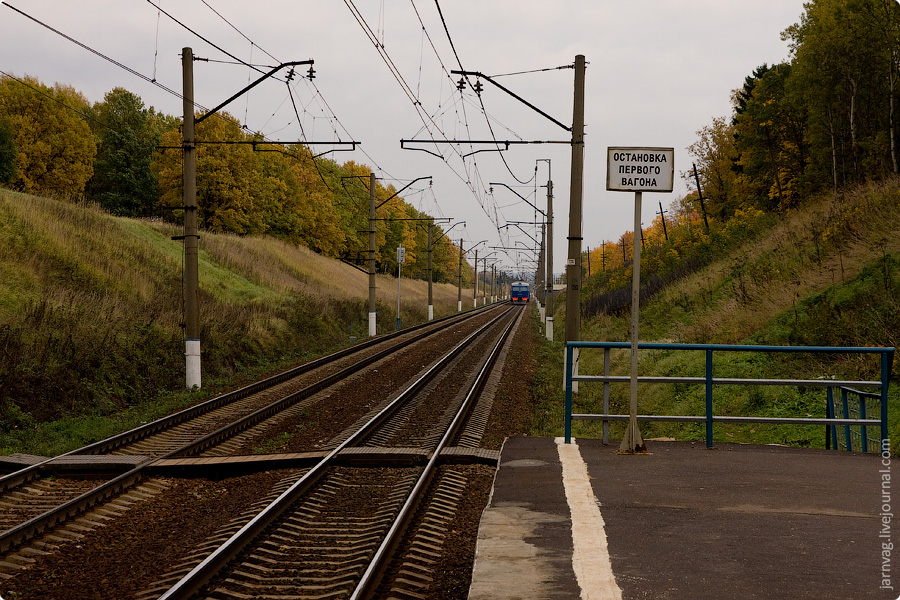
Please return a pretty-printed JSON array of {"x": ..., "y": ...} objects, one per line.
[
  {"x": 31, "y": 504},
  {"x": 383, "y": 474}
]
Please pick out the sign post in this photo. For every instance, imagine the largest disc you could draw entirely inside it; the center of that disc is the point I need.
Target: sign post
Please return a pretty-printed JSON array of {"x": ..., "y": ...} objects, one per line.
[{"x": 637, "y": 170}]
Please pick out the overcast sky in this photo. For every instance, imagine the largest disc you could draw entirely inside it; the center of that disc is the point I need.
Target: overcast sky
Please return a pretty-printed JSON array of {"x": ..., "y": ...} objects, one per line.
[{"x": 658, "y": 71}]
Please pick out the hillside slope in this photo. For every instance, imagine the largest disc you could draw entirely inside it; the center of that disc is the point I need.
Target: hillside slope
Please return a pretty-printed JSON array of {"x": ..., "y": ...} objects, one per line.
[
  {"x": 91, "y": 309},
  {"x": 824, "y": 274}
]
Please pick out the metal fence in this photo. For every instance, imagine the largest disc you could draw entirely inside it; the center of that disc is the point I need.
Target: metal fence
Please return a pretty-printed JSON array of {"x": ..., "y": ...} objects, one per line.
[{"x": 853, "y": 419}]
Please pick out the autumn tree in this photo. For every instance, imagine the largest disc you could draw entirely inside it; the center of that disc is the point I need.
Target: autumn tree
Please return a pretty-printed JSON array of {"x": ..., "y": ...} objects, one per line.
[
  {"x": 7, "y": 152},
  {"x": 845, "y": 66},
  {"x": 770, "y": 139},
  {"x": 715, "y": 156},
  {"x": 128, "y": 134},
  {"x": 55, "y": 148}
]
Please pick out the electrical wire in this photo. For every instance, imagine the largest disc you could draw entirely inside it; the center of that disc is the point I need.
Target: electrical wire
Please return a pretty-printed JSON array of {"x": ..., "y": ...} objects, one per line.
[
  {"x": 480, "y": 101},
  {"x": 103, "y": 56},
  {"x": 216, "y": 46},
  {"x": 77, "y": 111},
  {"x": 241, "y": 33}
]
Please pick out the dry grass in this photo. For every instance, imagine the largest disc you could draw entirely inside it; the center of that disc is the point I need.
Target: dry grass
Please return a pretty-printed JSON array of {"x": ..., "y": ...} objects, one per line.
[
  {"x": 825, "y": 243},
  {"x": 91, "y": 307}
]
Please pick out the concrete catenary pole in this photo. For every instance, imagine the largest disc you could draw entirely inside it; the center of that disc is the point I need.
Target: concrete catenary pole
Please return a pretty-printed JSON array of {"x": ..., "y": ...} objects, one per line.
[
  {"x": 483, "y": 280},
  {"x": 573, "y": 263},
  {"x": 459, "y": 278},
  {"x": 430, "y": 297},
  {"x": 191, "y": 238},
  {"x": 493, "y": 271},
  {"x": 372, "y": 309},
  {"x": 475, "y": 290},
  {"x": 549, "y": 276}
]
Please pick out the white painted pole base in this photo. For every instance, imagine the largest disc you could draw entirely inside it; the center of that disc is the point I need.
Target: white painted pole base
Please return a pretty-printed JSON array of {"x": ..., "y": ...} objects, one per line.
[
  {"x": 549, "y": 322},
  {"x": 192, "y": 364},
  {"x": 431, "y": 312},
  {"x": 543, "y": 312},
  {"x": 372, "y": 331},
  {"x": 459, "y": 306},
  {"x": 474, "y": 302}
]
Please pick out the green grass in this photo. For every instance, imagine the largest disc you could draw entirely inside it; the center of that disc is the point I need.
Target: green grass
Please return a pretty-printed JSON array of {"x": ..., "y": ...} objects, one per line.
[
  {"x": 827, "y": 274},
  {"x": 91, "y": 317}
]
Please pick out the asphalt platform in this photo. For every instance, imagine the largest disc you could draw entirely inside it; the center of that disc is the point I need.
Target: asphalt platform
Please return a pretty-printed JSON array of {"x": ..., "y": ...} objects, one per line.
[{"x": 686, "y": 522}]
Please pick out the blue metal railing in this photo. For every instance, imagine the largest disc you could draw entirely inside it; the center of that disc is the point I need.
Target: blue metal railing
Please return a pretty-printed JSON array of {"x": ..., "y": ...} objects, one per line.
[
  {"x": 849, "y": 409},
  {"x": 708, "y": 380}
]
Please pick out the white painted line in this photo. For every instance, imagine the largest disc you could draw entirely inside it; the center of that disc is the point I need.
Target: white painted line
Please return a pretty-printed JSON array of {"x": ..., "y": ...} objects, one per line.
[{"x": 590, "y": 559}]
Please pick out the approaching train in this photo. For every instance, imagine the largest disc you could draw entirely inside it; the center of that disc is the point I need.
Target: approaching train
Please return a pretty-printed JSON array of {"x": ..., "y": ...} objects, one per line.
[{"x": 519, "y": 292}]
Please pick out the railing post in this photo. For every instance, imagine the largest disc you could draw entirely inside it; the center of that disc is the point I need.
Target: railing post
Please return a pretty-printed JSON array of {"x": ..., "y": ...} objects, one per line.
[
  {"x": 568, "y": 393},
  {"x": 606, "y": 352},
  {"x": 830, "y": 432},
  {"x": 845, "y": 410},
  {"x": 709, "y": 402},
  {"x": 863, "y": 429}
]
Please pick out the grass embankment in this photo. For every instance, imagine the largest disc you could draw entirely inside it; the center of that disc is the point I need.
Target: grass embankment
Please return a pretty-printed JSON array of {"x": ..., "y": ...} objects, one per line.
[
  {"x": 91, "y": 313},
  {"x": 825, "y": 275}
]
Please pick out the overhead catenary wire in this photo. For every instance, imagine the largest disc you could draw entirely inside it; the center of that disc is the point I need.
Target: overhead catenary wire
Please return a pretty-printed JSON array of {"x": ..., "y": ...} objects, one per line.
[
  {"x": 315, "y": 106},
  {"x": 101, "y": 55},
  {"x": 472, "y": 174},
  {"x": 241, "y": 33},
  {"x": 77, "y": 111}
]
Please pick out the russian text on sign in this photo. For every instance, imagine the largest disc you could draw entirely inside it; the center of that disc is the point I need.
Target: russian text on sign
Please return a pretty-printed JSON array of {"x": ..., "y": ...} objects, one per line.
[{"x": 640, "y": 169}]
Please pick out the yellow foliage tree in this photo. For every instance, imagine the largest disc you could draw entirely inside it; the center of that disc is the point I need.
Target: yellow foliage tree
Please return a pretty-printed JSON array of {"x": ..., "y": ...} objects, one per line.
[{"x": 54, "y": 146}]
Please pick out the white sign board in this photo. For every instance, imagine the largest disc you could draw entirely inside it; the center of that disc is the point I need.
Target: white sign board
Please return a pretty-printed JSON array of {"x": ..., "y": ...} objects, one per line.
[
  {"x": 401, "y": 254},
  {"x": 640, "y": 169}
]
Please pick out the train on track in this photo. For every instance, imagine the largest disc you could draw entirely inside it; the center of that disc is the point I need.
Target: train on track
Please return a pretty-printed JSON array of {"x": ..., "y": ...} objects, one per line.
[{"x": 519, "y": 292}]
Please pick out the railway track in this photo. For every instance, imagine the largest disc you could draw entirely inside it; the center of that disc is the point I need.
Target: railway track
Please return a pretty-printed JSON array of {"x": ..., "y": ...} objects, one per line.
[
  {"x": 31, "y": 505},
  {"x": 405, "y": 453},
  {"x": 335, "y": 531}
]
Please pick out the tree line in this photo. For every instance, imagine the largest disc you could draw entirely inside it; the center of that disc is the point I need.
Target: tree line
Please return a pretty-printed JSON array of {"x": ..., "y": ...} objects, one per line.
[
  {"x": 126, "y": 158},
  {"x": 821, "y": 122}
]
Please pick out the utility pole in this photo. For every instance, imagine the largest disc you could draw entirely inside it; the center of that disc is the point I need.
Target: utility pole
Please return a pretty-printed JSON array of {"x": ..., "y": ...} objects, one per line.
[
  {"x": 573, "y": 263},
  {"x": 589, "y": 261},
  {"x": 483, "y": 280},
  {"x": 430, "y": 297},
  {"x": 700, "y": 193},
  {"x": 493, "y": 274},
  {"x": 475, "y": 290},
  {"x": 459, "y": 278},
  {"x": 191, "y": 238},
  {"x": 540, "y": 281},
  {"x": 189, "y": 205},
  {"x": 401, "y": 258},
  {"x": 372, "y": 307},
  {"x": 662, "y": 215},
  {"x": 549, "y": 255},
  {"x": 603, "y": 256}
]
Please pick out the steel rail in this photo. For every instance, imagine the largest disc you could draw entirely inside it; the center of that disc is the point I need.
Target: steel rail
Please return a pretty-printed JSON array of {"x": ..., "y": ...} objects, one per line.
[
  {"x": 260, "y": 415},
  {"x": 104, "y": 446},
  {"x": 29, "y": 529},
  {"x": 221, "y": 556},
  {"x": 371, "y": 578}
]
